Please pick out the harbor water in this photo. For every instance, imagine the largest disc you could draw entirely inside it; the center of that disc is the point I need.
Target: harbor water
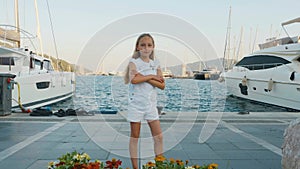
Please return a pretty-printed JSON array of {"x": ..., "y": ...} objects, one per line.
[{"x": 94, "y": 93}]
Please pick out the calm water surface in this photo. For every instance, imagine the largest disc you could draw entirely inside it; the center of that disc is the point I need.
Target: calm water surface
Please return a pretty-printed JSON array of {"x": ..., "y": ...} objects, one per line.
[{"x": 186, "y": 95}]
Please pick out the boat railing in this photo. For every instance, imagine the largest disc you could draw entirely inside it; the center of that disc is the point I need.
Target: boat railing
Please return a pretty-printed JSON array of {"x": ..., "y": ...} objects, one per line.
[
  {"x": 261, "y": 66},
  {"x": 10, "y": 34}
]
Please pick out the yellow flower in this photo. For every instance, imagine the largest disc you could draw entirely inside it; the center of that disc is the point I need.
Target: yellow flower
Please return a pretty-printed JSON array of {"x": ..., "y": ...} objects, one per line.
[
  {"x": 160, "y": 158},
  {"x": 76, "y": 157},
  {"x": 150, "y": 164},
  {"x": 196, "y": 166},
  {"x": 179, "y": 162},
  {"x": 213, "y": 166},
  {"x": 51, "y": 163},
  {"x": 172, "y": 160},
  {"x": 85, "y": 155}
]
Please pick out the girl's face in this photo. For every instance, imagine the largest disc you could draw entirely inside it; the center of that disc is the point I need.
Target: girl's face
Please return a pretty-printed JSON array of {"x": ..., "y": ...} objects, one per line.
[{"x": 145, "y": 46}]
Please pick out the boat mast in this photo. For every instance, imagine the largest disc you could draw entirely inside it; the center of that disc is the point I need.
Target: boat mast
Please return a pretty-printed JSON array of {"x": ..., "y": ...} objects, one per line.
[
  {"x": 17, "y": 22},
  {"x": 227, "y": 43},
  {"x": 38, "y": 27},
  {"x": 240, "y": 45},
  {"x": 254, "y": 41}
]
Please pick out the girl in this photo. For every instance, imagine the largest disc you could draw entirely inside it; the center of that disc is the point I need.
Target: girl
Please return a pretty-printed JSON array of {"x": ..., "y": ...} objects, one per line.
[{"x": 144, "y": 76}]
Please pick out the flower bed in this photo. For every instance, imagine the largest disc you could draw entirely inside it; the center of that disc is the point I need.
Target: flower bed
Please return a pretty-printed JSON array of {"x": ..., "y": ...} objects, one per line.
[
  {"x": 77, "y": 160},
  {"x": 162, "y": 163}
]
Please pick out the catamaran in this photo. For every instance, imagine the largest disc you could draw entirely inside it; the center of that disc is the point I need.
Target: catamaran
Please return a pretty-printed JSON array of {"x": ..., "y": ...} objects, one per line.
[{"x": 35, "y": 83}]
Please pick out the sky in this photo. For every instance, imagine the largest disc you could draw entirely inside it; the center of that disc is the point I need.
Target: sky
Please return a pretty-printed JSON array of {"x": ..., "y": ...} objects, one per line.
[{"x": 76, "y": 23}]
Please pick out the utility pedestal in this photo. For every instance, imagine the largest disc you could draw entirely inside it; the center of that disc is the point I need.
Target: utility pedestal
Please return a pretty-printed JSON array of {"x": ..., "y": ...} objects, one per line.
[{"x": 6, "y": 86}]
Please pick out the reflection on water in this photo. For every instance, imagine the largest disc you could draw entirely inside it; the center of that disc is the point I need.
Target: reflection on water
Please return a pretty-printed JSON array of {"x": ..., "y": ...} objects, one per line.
[{"x": 186, "y": 95}]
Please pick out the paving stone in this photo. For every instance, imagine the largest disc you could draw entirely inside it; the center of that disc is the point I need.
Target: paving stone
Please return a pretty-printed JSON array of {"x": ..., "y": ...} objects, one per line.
[
  {"x": 222, "y": 146},
  {"x": 227, "y": 148},
  {"x": 233, "y": 154}
]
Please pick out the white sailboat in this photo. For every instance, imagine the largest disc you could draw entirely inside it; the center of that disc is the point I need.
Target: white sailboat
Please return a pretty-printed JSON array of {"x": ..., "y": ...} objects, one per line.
[
  {"x": 36, "y": 83},
  {"x": 271, "y": 74}
]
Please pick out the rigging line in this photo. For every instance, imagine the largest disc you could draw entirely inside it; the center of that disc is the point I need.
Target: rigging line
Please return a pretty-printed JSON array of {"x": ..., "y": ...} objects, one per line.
[{"x": 52, "y": 31}]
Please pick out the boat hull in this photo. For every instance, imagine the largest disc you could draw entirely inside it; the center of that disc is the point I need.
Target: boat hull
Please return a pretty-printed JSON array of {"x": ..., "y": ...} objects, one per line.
[
  {"x": 258, "y": 86},
  {"x": 59, "y": 86}
]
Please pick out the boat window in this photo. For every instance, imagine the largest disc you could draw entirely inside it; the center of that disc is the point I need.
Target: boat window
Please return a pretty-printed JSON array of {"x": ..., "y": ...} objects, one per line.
[
  {"x": 42, "y": 85},
  {"x": 7, "y": 61},
  {"x": 37, "y": 63},
  {"x": 47, "y": 65},
  {"x": 261, "y": 62}
]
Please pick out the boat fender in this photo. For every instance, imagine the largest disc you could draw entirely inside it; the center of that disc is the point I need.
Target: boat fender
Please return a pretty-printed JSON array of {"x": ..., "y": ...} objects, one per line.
[
  {"x": 71, "y": 112},
  {"x": 270, "y": 84},
  {"x": 244, "y": 89},
  {"x": 60, "y": 113},
  {"x": 41, "y": 112},
  {"x": 244, "y": 81},
  {"x": 292, "y": 77},
  {"x": 243, "y": 112}
]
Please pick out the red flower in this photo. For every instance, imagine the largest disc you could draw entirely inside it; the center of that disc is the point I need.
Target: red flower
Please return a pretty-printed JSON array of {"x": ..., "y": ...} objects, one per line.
[
  {"x": 94, "y": 165},
  {"x": 60, "y": 163},
  {"x": 80, "y": 166},
  {"x": 113, "y": 164}
]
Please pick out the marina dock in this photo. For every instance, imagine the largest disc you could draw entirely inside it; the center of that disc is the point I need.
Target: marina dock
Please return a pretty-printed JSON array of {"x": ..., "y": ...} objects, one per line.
[{"x": 245, "y": 141}]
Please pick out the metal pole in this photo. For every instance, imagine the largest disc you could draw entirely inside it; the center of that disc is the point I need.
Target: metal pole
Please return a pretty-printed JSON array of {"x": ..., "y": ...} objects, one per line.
[
  {"x": 38, "y": 27},
  {"x": 17, "y": 22}
]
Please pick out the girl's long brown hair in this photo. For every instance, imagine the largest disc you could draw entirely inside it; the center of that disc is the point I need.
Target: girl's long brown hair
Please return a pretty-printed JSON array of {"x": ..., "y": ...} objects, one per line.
[{"x": 136, "y": 54}]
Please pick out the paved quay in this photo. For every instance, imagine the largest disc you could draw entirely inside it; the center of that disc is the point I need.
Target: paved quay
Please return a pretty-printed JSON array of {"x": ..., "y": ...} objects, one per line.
[{"x": 231, "y": 140}]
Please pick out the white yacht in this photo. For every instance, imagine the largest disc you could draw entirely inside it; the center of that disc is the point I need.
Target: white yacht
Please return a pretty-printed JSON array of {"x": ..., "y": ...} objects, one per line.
[
  {"x": 207, "y": 74},
  {"x": 35, "y": 83},
  {"x": 167, "y": 73},
  {"x": 270, "y": 75}
]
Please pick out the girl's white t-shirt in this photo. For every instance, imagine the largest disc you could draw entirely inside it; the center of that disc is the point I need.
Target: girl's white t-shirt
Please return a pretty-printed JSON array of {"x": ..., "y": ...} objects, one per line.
[{"x": 142, "y": 97}]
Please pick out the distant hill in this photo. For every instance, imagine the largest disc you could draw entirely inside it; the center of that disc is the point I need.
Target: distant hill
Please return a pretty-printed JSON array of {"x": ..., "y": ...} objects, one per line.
[{"x": 60, "y": 64}]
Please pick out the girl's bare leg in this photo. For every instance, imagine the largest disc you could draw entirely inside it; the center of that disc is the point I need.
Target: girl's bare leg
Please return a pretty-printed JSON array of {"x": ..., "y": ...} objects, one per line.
[
  {"x": 157, "y": 136},
  {"x": 133, "y": 143}
]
